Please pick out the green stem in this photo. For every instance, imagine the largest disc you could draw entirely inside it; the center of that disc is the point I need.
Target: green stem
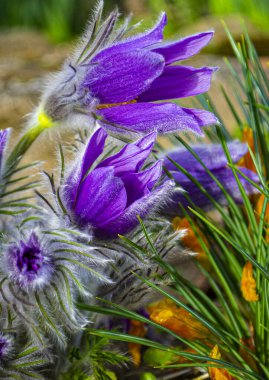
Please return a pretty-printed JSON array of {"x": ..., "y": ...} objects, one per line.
[{"x": 43, "y": 122}]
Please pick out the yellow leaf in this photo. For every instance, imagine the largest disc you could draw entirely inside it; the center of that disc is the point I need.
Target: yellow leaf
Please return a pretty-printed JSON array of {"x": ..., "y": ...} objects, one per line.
[{"x": 218, "y": 373}]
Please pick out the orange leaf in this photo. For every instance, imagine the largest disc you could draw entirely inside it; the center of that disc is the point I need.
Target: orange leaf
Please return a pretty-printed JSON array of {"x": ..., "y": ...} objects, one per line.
[
  {"x": 190, "y": 240},
  {"x": 247, "y": 161},
  {"x": 178, "y": 320},
  {"x": 218, "y": 373},
  {"x": 137, "y": 329},
  {"x": 248, "y": 283}
]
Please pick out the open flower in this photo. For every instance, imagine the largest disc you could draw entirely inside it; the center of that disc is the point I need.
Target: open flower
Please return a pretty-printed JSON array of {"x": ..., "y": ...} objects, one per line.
[
  {"x": 119, "y": 78},
  {"x": 215, "y": 160},
  {"x": 109, "y": 196}
]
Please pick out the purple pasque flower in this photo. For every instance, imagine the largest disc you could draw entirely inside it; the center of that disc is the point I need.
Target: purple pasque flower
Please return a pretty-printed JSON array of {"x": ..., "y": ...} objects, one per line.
[
  {"x": 119, "y": 79},
  {"x": 43, "y": 271},
  {"x": 29, "y": 264},
  {"x": 4, "y": 134},
  {"x": 214, "y": 158},
  {"x": 109, "y": 196}
]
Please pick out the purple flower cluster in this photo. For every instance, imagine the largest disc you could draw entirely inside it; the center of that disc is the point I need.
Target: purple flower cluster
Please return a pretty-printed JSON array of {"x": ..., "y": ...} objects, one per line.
[
  {"x": 119, "y": 79},
  {"x": 108, "y": 196},
  {"x": 51, "y": 258}
]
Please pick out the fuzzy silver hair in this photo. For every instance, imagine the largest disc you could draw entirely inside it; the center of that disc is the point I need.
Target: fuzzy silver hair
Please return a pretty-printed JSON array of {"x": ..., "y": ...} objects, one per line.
[
  {"x": 63, "y": 100},
  {"x": 49, "y": 311}
]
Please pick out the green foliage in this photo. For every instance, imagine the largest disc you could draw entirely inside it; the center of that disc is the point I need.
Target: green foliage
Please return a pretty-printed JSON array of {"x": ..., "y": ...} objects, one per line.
[
  {"x": 256, "y": 11},
  {"x": 93, "y": 361},
  {"x": 240, "y": 237},
  {"x": 57, "y": 18},
  {"x": 62, "y": 19}
]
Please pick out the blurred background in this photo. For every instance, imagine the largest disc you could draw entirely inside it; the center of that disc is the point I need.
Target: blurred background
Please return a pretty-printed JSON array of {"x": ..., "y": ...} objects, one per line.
[
  {"x": 37, "y": 35},
  {"x": 61, "y": 20}
]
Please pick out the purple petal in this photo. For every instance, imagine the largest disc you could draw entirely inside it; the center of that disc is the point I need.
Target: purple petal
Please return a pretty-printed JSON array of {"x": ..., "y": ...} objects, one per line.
[
  {"x": 147, "y": 140},
  {"x": 212, "y": 155},
  {"x": 121, "y": 77},
  {"x": 252, "y": 176},
  {"x": 179, "y": 82},
  {"x": 139, "y": 184},
  {"x": 93, "y": 150},
  {"x": 203, "y": 117},
  {"x": 195, "y": 194},
  {"x": 225, "y": 177},
  {"x": 184, "y": 48},
  {"x": 139, "y": 41},
  {"x": 142, "y": 207},
  {"x": 148, "y": 117},
  {"x": 102, "y": 197},
  {"x": 151, "y": 37},
  {"x": 3, "y": 139},
  {"x": 131, "y": 157},
  {"x": 4, "y": 135}
]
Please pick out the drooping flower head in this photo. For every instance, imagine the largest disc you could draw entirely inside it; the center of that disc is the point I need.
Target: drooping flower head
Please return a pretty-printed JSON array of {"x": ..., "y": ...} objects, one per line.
[
  {"x": 108, "y": 197},
  {"x": 214, "y": 158},
  {"x": 118, "y": 79},
  {"x": 29, "y": 264}
]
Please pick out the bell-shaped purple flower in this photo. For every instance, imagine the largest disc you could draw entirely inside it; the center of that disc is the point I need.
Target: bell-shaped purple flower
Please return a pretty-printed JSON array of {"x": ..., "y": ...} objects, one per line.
[
  {"x": 120, "y": 79},
  {"x": 29, "y": 265},
  {"x": 109, "y": 196},
  {"x": 214, "y": 158}
]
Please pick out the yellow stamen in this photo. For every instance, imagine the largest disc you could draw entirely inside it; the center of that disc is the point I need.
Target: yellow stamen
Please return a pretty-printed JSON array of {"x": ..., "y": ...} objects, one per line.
[{"x": 248, "y": 283}]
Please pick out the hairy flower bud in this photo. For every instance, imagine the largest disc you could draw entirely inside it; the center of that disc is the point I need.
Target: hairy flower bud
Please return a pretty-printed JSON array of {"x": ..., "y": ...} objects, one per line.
[{"x": 29, "y": 265}]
